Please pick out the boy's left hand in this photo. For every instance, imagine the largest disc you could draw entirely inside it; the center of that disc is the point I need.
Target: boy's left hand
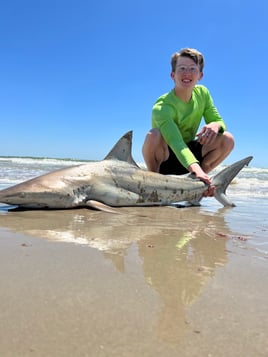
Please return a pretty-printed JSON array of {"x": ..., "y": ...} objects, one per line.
[{"x": 208, "y": 133}]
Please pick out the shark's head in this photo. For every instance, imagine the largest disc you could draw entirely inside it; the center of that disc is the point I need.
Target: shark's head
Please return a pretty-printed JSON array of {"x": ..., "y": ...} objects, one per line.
[
  {"x": 26, "y": 195},
  {"x": 23, "y": 198}
]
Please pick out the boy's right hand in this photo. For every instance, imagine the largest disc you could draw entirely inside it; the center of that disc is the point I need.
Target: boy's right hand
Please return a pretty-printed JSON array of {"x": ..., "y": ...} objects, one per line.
[{"x": 201, "y": 175}]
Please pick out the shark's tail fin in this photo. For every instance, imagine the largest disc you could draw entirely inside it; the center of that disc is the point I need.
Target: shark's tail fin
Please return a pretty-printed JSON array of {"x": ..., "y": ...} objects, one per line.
[{"x": 224, "y": 178}]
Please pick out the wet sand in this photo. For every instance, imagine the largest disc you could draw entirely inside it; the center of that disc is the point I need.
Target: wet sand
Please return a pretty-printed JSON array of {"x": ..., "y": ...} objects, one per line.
[{"x": 146, "y": 282}]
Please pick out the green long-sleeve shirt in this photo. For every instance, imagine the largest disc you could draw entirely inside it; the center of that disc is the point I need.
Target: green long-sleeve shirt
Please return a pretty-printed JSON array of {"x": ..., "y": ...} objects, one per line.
[{"x": 179, "y": 121}]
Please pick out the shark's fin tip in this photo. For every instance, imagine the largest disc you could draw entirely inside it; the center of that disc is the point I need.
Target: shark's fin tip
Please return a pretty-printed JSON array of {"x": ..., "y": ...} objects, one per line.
[{"x": 122, "y": 149}]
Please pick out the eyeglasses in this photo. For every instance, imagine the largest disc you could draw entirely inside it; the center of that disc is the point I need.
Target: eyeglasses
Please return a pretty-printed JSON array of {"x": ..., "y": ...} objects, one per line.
[{"x": 184, "y": 69}]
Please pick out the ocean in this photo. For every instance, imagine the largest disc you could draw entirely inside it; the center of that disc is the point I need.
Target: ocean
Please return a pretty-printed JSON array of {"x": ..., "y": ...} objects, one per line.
[
  {"x": 251, "y": 182},
  {"x": 249, "y": 191}
]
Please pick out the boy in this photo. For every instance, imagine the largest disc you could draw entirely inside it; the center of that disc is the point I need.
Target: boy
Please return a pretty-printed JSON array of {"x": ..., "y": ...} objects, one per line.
[{"x": 173, "y": 146}]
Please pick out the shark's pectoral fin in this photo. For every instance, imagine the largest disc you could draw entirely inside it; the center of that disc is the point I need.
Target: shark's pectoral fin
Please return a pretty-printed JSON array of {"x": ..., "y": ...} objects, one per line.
[{"x": 100, "y": 206}]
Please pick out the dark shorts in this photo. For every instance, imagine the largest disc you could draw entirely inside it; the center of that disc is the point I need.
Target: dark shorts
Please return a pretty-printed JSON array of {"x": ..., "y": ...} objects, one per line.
[{"x": 173, "y": 167}]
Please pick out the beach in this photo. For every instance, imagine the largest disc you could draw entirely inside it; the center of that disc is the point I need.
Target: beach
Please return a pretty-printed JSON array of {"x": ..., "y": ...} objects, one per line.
[{"x": 150, "y": 281}]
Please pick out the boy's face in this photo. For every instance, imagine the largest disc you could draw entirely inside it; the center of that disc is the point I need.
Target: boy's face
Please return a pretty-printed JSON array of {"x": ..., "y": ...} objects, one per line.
[{"x": 186, "y": 73}]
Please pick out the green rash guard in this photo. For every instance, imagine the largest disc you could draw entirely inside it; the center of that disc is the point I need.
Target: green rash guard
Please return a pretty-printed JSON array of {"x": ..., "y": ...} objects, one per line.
[{"x": 178, "y": 121}]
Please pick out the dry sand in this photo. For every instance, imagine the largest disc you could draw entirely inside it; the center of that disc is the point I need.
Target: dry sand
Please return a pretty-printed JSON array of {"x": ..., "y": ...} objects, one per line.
[{"x": 146, "y": 282}]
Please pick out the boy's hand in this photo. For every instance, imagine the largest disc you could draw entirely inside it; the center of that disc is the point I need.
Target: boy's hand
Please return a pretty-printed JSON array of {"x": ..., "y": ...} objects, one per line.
[
  {"x": 201, "y": 175},
  {"x": 208, "y": 133},
  {"x": 210, "y": 192}
]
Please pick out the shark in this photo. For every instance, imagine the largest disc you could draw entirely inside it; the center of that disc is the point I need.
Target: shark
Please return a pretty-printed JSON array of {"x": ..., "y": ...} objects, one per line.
[{"x": 115, "y": 181}]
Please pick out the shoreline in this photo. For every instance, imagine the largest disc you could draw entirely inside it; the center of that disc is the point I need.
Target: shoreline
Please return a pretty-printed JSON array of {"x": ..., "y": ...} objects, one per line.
[{"x": 150, "y": 281}]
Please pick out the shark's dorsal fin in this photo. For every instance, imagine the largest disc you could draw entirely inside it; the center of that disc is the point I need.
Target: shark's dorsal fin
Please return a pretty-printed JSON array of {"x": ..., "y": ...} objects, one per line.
[{"x": 122, "y": 150}]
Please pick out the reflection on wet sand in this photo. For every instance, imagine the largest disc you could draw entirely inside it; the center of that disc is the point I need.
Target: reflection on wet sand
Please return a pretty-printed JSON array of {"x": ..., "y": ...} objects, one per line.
[{"x": 177, "y": 250}]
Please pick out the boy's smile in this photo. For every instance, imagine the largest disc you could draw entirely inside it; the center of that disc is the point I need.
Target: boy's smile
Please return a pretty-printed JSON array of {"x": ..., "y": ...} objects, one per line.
[{"x": 186, "y": 74}]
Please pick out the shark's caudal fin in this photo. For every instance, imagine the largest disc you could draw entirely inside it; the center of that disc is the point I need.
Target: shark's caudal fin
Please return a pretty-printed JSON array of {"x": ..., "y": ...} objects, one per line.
[
  {"x": 122, "y": 150},
  {"x": 224, "y": 178}
]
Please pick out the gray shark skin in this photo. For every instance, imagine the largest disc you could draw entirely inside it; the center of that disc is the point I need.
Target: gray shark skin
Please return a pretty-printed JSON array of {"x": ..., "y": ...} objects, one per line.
[{"x": 116, "y": 181}]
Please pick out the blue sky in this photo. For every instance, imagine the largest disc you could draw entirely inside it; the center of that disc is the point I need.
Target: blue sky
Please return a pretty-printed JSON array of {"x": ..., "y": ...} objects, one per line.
[{"x": 75, "y": 75}]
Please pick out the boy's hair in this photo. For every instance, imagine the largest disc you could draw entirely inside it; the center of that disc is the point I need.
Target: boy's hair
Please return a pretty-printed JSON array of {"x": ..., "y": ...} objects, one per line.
[{"x": 192, "y": 53}]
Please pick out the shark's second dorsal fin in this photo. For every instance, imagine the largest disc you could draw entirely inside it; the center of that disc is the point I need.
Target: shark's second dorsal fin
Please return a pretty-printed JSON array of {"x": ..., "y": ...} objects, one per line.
[{"x": 122, "y": 150}]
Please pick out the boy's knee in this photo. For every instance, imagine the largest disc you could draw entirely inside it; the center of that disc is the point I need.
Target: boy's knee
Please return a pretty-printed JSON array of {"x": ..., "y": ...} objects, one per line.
[
  {"x": 229, "y": 141},
  {"x": 154, "y": 135},
  {"x": 152, "y": 138}
]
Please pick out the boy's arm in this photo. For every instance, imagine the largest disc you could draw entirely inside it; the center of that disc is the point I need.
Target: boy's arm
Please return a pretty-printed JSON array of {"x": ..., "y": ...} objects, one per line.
[
  {"x": 212, "y": 116},
  {"x": 172, "y": 136}
]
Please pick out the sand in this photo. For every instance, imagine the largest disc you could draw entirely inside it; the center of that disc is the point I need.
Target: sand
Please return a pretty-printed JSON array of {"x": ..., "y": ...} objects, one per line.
[{"x": 146, "y": 282}]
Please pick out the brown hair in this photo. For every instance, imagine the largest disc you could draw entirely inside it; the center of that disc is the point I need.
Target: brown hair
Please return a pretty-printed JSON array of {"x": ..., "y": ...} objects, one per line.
[{"x": 192, "y": 53}]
